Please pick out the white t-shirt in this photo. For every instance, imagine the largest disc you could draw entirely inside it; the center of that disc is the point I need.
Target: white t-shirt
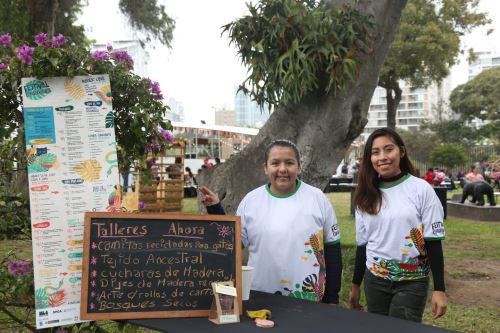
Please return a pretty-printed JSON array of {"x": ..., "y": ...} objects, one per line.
[
  {"x": 285, "y": 236},
  {"x": 411, "y": 213}
]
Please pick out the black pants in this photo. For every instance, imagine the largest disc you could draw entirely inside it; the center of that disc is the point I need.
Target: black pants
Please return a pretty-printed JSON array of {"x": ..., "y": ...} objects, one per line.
[{"x": 403, "y": 299}]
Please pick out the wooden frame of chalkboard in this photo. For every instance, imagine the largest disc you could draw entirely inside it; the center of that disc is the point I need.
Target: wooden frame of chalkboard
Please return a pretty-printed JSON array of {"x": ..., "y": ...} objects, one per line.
[{"x": 156, "y": 265}]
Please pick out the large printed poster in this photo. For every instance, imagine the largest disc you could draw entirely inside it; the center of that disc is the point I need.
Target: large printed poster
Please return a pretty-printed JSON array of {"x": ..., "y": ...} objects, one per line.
[{"x": 72, "y": 168}]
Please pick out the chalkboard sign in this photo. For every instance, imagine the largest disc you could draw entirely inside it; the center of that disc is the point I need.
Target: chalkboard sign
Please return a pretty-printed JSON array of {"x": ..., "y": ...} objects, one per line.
[{"x": 156, "y": 265}]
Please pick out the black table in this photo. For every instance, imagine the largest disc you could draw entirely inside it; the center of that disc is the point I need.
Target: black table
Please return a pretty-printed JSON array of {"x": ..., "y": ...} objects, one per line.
[{"x": 292, "y": 315}]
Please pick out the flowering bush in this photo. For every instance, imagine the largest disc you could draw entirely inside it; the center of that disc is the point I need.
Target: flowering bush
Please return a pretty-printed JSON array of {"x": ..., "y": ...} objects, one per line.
[
  {"x": 19, "y": 267},
  {"x": 16, "y": 276},
  {"x": 137, "y": 101},
  {"x": 140, "y": 128}
]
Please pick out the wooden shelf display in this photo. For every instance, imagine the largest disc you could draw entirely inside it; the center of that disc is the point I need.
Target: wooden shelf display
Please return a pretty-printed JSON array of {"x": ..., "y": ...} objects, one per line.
[{"x": 166, "y": 191}]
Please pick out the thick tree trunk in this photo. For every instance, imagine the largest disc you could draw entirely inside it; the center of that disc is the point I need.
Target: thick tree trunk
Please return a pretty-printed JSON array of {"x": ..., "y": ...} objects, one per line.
[
  {"x": 393, "y": 97},
  {"x": 42, "y": 15},
  {"x": 322, "y": 126}
]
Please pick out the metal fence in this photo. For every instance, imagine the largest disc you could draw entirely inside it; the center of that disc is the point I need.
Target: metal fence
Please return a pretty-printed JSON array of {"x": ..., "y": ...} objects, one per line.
[{"x": 473, "y": 155}]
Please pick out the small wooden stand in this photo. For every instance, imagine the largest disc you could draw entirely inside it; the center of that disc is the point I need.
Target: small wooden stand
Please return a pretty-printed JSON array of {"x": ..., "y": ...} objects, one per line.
[{"x": 224, "y": 308}]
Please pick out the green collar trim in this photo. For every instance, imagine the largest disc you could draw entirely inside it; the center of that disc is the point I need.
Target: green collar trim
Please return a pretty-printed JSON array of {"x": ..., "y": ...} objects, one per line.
[
  {"x": 282, "y": 196},
  {"x": 396, "y": 183}
]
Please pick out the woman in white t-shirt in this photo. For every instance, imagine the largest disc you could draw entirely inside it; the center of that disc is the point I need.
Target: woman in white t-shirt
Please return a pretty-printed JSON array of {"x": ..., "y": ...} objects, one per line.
[
  {"x": 290, "y": 231},
  {"x": 399, "y": 228}
]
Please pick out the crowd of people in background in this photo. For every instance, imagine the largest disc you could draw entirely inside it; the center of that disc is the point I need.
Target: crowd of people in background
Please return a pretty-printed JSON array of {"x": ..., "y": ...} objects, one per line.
[
  {"x": 477, "y": 172},
  {"x": 439, "y": 177}
]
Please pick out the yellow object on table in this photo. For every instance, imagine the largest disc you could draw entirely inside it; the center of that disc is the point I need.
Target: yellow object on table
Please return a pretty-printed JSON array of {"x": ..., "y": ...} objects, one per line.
[{"x": 261, "y": 314}]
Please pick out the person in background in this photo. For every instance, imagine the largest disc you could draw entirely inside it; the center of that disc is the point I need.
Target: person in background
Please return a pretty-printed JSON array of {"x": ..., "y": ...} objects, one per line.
[
  {"x": 217, "y": 161},
  {"x": 207, "y": 163},
  {"x": 189, "y": 183},
  {"x": 399, "y": 228},
  {"x": 290, "y": 231},
  {"x": 440, "y": 175},
  {"x": 429, "y": 176},
  {"x": 474, "y": 175}
]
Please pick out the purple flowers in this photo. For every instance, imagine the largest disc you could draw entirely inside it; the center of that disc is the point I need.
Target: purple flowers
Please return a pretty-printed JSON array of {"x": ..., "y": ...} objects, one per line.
[
  {"x": 24, "y": 53},
  {"x": 100, "y": 55},
  {"x": 122, "y": 57},
  {"x": 42, "y": 39},
  {"x": 167, "y": 135},
  {"x": 5, "y": 39},
  {"x": 19, "y": 267},
  {"x": 142, "y": 205},
  {"x": 155, "y": 88},
  {"x": 2, "y": 66},
  {"x": 151, "y": 147},
  {"x": 59, "y": 40}
]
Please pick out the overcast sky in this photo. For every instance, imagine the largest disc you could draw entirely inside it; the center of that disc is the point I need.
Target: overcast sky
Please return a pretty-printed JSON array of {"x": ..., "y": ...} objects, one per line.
[{"x": 201, "y": 70}]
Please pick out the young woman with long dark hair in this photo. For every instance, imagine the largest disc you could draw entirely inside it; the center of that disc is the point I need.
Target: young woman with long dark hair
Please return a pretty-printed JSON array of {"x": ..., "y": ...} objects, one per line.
[{"x": 399, "y": 228}]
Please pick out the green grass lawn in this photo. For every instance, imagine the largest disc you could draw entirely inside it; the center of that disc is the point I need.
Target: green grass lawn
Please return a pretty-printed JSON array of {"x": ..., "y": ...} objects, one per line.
[{"x": 465, "y": 240}]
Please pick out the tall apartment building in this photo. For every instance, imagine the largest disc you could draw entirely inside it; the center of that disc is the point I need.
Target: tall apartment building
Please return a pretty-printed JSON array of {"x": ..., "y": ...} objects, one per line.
[
  {"x": 248, "y": 112},
  {"x": 485, "y": 60},
  {"x": 176, "y": 112},
  {"x": 225, "y": 117},
  {"x": 416, "y": 106}
]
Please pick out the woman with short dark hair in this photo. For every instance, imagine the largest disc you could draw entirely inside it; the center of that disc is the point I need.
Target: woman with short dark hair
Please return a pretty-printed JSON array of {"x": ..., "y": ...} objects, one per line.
[{"x": 290, "y": 231}]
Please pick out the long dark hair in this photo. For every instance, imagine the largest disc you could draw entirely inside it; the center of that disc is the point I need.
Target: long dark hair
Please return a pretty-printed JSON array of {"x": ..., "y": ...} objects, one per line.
[{"x": 368, "y": 197}]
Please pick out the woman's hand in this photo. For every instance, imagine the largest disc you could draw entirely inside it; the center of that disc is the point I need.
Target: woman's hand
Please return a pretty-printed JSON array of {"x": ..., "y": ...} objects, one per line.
[
  {"x": 439, "y": 304},
  {"x": 208, "y": 198},
  {"x": 354, "y": 298}
]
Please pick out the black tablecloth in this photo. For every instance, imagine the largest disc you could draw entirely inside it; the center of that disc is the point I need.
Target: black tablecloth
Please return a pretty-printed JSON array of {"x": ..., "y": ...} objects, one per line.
[{"x": 292, "y": 315}]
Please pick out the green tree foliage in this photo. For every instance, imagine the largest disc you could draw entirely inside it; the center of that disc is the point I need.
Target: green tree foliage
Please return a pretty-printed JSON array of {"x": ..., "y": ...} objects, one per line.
[
  {"x": 294, "y": 48},
  {"x": 149, "y": 18},
  {"x": 419, "y": 143},
  {"x": 454, "y": 131},
  {"x": 427, "y": 45},
  {"x": 25, "y": 19},
  {"x": 480, "y": 98},
  {"x": 448, "y": 154}
]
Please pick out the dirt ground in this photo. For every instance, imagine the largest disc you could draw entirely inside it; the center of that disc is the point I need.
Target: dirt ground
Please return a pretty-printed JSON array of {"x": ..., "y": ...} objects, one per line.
[{"x": 473, "y": 282}]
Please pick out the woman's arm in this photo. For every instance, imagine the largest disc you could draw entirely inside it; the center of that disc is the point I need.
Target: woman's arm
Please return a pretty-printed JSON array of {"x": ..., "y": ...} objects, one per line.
[
  {"x": 333, "y": 262},
  {"x": 211, "y": 201},
  {"x": 357, "y": 277},
  {"x": 435, "y": 254}
]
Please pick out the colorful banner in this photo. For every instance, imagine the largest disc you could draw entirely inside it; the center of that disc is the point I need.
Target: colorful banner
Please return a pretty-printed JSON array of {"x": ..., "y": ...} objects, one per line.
[{"x": 72, "y": 168}]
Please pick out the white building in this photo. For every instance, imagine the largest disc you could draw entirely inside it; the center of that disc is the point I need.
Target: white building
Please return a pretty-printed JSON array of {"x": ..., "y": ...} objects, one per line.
[
  {"x": 416, "y": 106},
  {"x": 225, "y": 117},
  {"x": 176, "y": 112},
  {"x": 485, "y": 60}
]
